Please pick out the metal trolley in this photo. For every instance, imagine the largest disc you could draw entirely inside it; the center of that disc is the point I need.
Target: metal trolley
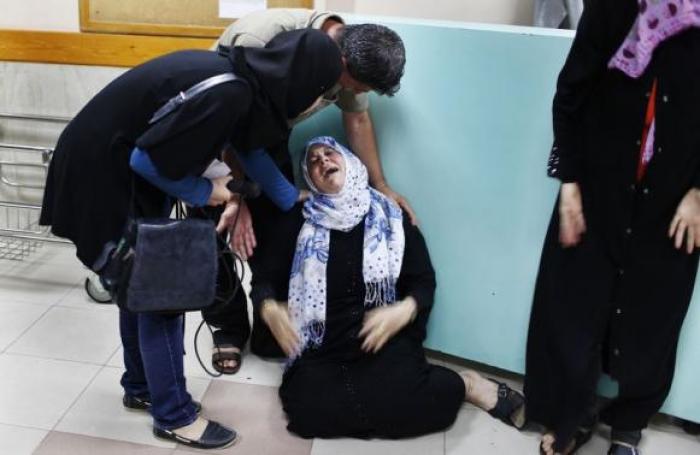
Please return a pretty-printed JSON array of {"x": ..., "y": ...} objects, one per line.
[{"x": 20, "y": 232}]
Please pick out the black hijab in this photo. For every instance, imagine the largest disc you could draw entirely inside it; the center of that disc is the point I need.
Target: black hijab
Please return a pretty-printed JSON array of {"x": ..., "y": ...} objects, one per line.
[
  {"x": 286, "y": 77},
  {"x": 283, "y": 79}
]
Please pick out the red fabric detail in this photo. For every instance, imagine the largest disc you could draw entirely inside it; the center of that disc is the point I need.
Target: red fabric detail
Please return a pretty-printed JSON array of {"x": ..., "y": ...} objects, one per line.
[{"x": 648, "y": 120}]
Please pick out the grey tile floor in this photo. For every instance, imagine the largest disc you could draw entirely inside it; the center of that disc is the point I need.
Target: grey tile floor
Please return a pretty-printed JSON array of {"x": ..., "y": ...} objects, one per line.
[{"x": 60, "y": 363}]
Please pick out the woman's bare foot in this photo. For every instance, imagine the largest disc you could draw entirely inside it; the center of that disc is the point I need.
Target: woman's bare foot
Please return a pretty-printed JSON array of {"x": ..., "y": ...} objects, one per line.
[
  {"x": 548, "y": 445},
  {"x": 193, "y": 431},
  {"x": 484, "y": 393},
  {"x": 479, "y": 391},
  {"x": 227, "y": 364}
]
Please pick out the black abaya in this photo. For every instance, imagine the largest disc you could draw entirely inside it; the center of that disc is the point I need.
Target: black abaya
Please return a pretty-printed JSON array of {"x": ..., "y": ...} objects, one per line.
[
  {"x": 337, "y": 389},
  {"x": 616, "y": 301}
]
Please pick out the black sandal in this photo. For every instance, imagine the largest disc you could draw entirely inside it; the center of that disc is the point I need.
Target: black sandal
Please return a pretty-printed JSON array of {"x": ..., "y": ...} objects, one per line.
[
  {"x": 219, "y": 357},
  {"x": 581, "y": 437},
  {"x": 509, "y": 401}
]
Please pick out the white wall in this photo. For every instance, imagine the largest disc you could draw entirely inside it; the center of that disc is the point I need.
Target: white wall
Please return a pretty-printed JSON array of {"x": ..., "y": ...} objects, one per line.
[
  {"x": 62, "y": 15},
  {"x": 55, "y": 15},
  {"x": 514, "y": 12}
]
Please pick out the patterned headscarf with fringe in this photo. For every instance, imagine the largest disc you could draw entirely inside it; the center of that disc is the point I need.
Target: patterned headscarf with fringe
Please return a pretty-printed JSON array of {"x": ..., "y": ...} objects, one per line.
[{"x": 382, "y": 252}]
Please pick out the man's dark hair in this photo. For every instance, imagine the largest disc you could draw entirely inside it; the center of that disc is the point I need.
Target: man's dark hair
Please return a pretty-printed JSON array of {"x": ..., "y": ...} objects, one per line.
[{"x": 374, "y": 56}]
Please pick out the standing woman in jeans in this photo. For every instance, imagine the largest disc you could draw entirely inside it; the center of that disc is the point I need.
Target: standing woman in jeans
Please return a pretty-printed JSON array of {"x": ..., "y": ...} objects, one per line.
[
  {"x": 620, "y": 256},
  {"x": 110, "y": 155}
]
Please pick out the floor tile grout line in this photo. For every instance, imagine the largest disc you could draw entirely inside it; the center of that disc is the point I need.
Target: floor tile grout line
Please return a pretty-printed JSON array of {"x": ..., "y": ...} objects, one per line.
[
  {"x": 12, "y": 343},
  {"x": 35, "y": 356},
  {"x": 82, "y": 392},
  {"x": 51, "y": 305},
  {"x": 27, "y": 427},
  {"x": 19, "y": 301},
  {"x": 21, "y": 334},
  {"x": 43, "y": 438},
  {"x": 63, "y": 298},
  {"x": 101, "y": 438},
  {"x": 106, "y": 364},
  {"x": 89, "y": 306},
  {"x": 46, "y": 436},
  {"x": 41, "y": 316}
]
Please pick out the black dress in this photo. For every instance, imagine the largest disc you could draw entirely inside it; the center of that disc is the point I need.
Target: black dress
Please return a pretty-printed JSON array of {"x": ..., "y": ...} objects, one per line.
[
  {"x": 615, "y": 302},
  {"x": 337, "y": 389}
]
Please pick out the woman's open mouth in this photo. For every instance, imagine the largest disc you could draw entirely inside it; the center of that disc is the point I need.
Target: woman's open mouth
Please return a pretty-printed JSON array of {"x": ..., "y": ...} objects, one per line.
[{"x": 330, "y": 172}]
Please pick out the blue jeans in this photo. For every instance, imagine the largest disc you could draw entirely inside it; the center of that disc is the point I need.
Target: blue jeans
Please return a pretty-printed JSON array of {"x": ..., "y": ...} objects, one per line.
[{"x": 153, "y": 357}]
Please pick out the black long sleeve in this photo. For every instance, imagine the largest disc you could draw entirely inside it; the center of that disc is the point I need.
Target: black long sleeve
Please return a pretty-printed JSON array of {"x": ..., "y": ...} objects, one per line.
[{"x": 597, "y": 39}]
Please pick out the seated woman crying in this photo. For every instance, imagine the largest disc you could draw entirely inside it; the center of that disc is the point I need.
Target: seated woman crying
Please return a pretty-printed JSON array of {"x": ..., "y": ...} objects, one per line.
[{"x": 346, "y": 289}]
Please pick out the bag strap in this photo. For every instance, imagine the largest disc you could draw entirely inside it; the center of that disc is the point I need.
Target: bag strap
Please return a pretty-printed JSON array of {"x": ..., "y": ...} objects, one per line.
[
  {"x": 172, "y": 105},
  {"x": 176, "y": 101}
]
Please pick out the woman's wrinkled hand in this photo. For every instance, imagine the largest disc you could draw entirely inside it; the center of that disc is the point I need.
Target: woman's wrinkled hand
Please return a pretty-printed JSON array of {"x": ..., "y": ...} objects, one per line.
[
  {"x": 686, "y": 222},
  {"x": 400, "y": 200},
  {"x": 276, "y": 316},
  {"x": 242, "y": 237},
  {"x": 381, "y": 324},
  {"x": 572, "y": 224}
]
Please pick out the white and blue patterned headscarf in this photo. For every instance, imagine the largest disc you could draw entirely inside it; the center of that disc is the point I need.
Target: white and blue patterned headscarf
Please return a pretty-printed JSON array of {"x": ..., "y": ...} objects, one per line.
[{"x": 382, "y": 252}]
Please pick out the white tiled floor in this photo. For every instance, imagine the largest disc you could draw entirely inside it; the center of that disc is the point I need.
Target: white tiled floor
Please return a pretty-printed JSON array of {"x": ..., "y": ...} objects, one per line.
[
  {"x": 23, "y": 289},
  {"x": 16, "y": 318},
  {"x": 60, "y": 365},
  {"x": 87, "y": 335},
  {"x": 476, "y": 432},
  {"x": 98, "y": 411},
  {"x": 36, "y": 392},
  {"x": 430, "y": 444},
  {"x": 19, "y": 440},
  {"x": 253, "y": 371}
]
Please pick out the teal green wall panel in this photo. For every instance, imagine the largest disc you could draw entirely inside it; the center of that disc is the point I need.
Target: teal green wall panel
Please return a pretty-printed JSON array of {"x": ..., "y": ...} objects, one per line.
[{"x": 466, "y": 140}]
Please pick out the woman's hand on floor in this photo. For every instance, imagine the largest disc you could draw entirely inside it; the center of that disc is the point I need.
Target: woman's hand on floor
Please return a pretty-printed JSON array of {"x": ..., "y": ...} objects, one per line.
[
  {"x": 572, "y": 224},
  {"x": 242, "y": 235},
  {"x": 381, "y": 324},
  {"x": 276, "y": 316},
  {"x": 686, "y": 222}
]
